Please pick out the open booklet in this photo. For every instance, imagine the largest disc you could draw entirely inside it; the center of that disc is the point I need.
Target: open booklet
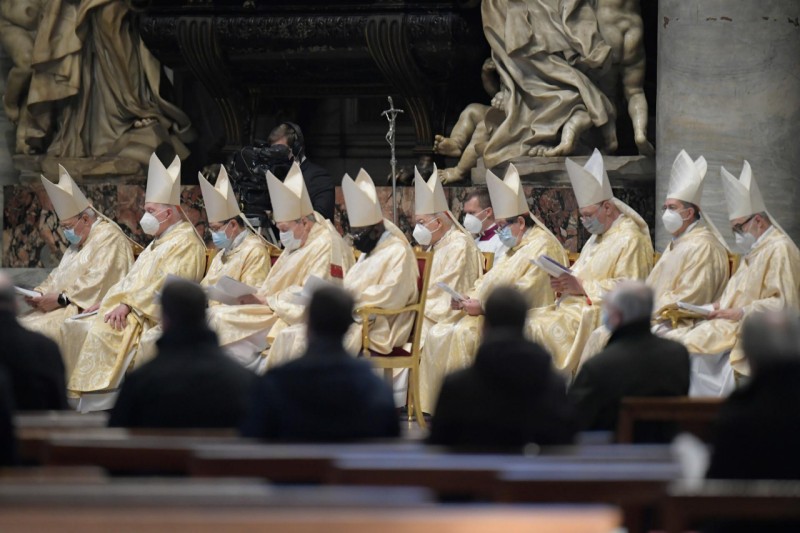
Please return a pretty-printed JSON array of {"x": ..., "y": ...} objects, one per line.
[
  {"x": 27, "y": 292},
  {"x": 551, "y": 266},
  {"x": 451, "y": 291},
  {"x": 228, "y": 290},
  {"x": 702, "y": 310},
  {"x": 85, "y": 314},
  {"x": 313, "y": 283}
]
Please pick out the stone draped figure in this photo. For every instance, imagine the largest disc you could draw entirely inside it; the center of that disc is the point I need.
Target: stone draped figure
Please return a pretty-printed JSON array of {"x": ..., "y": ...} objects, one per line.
[
  {"x": 83, "y": 84},
  {"x": 552, "y": 75}
]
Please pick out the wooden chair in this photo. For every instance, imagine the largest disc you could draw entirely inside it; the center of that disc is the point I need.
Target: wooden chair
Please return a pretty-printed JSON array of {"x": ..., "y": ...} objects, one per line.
[
  {"x": 691, "y": 414},
  {"x": 488, "y": 261},
  {"x": 400, "y": 358}
]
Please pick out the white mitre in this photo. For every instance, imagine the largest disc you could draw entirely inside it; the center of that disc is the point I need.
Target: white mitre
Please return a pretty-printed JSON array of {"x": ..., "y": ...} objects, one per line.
[
  {"x": 361, "y": 199},
  {"x": 219, "y": 199},
  {"x": 289, "y": 198},
  {"x": 507, "y": 196},
  {"x": 429, "y": 197},
  {"x": 163, "y": 184},
  {"x": 66, "y": 197},
  {"x": 589, "y": 182},
  {"x": 742, "y": 195},
  {"x": 686, "y": 178}
]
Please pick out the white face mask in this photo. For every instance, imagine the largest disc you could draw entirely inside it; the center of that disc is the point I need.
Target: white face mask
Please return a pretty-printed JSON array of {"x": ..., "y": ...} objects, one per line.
[
  {"x": 672, "y": 220},
  {"x": 745, "y": 242},
  {"x": 149, "y": 223},
  {"x": 289, "y": 241},
  {"x": 473, "y": 224},
  {"x": 593, "y": 225},
  {"x": 422, "y": 235}
]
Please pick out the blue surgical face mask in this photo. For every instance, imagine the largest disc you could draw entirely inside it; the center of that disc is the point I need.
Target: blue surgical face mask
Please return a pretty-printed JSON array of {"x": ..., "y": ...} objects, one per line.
[
  {"x": 593, "y": 225},
  {"x": 71, "y": 236},
  {"x": 506, "y": 237},
  {"x": 220, "y": 238}
]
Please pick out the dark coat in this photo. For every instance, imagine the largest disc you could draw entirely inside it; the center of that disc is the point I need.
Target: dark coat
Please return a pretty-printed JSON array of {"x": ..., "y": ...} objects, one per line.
[
  {"x": 34, "y": 366},
  {"x": 320, "y": 188},
  {"x": 191, "y": 383},
  {"x": 758, "y": 430},
  {"x": 8, "y": 444},
  {"x": 325, "y": 395},
  {"x": 634, "y": 363},
  {"x": 509, "y": 397}
]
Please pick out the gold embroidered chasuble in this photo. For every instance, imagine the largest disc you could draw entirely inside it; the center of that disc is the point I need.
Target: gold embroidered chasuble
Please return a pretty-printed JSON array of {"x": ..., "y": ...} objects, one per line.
[
  {"x": 452, "y": 346},
  {"x": 624, "y": 251},
  {"x": 324, "y": 255},
  {"x": 101, "y": 356},
  {"x": 692, "y": 269},
  {"x": 84, "y": 274},
  {"x": 458, "y": 262},
  {"x": 386, "y": 277},
  {"x": 768, "y": 278}
]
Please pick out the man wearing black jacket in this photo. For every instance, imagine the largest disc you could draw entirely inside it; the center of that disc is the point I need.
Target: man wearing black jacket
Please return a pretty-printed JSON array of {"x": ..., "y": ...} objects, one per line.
[
  {"x": 32, "y": 362},
  {"x": 191, "y": 383},
  {"x": 318, "y": 181},
  {"x": 634, "y": 363},
  {"x": 326, "y": 394},
  {"x": 510, "y": 396}
]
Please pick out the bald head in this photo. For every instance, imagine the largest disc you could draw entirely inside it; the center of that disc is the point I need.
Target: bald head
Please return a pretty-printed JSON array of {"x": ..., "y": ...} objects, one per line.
[
  {"x": 772, "y": 337},
  {"x": 630, "y": 301},
  {"x": 8, "y": 298}
]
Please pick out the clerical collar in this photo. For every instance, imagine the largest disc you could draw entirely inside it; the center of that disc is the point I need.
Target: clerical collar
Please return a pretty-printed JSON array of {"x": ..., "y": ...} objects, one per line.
[
  {"x": 237, "y": 241},
  {"x": 766, "y": 232},
  {"x": 489, "y": 233}
]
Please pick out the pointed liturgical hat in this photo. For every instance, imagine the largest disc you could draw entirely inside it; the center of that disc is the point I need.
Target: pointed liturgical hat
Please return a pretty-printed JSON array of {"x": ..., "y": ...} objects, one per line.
[
  {"x": 508, "y": 197},
  {"x": 686, "y": 178},
  {"x": 220, "y": 201},
  {"x": 589, "y": 182},
  {"x": 361, "y": 199},
  {"x": 429, "y": 197},
  {"x": 290, "y": 199},
  {"x": 163, "y": 184},
  {"x": 66, "y": 197},
  {"x": 742, "y": 195}
]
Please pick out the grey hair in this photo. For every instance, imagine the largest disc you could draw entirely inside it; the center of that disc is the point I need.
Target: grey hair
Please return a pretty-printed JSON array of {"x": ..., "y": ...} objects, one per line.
[
  {"x": 89, "y": 212},
  {"x": 771, "y": 336},
  {"x": 633, "y": 300}
]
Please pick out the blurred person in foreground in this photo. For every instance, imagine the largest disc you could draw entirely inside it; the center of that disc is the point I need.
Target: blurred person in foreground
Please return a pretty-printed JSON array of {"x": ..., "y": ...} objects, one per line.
[
  {"x": 31, "y": 361},
  {"x": 326, "y": 394},
  {"x": 634, "y": 363},
  {"x": 190, "y": 383},
  {"x": 510, "y": 396}
]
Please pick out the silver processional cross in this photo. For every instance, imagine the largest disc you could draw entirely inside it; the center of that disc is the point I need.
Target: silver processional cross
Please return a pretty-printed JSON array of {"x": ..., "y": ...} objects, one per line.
[{"x": 391, "y": 116}]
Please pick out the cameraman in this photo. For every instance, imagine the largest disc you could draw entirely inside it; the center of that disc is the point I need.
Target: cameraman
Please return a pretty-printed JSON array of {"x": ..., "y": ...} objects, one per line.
[{"x": 318, "y": 181}]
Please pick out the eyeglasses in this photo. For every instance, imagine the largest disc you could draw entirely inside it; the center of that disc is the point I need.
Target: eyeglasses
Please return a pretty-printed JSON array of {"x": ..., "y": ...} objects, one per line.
[
  {"x": 739, "y": 228},
  {"x": 359, "y": 234},
  {"x": 71, "y": 226},
  {"x": 665, "y": 208}
]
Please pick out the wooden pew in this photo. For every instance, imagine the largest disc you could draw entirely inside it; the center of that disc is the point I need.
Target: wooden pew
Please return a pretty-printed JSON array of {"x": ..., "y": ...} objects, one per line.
[
  {"x": 132, "y": 451},
  {"x": 695, "y": 415},
  {"x": 33, "y": 428},
  {"x": 52, "y": 474},
  {"x": 280, "y": 513},
  {"x": 688, "y": 507},
  {"x": 283, "y": 463}
]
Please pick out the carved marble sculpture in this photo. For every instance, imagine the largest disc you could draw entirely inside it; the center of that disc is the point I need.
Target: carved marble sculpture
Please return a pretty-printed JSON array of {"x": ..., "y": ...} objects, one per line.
[
  {"x": 83, "y": 83},
  {"x": 557, "y": 64}
]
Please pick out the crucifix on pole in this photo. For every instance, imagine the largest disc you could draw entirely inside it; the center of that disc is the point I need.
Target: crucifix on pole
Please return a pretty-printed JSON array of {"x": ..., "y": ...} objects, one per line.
[{"x": 391, "y": 116}]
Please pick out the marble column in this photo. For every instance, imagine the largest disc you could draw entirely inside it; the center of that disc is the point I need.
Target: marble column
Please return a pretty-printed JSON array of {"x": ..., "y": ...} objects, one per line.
[{"x": 729, "y": 89}]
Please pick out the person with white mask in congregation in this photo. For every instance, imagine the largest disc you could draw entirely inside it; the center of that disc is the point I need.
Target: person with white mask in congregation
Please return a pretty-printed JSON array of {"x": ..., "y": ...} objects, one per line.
[
  {"x": 98, "y": 256},
  {"x": 452, "y": 346},
  {"x": 457, "y": 261},
  {"x": 768, "y": 279},
  {"x": 105, "y": 345},
  {"x": 619, "y": 248},
  {"x": 242, "y": 253},
  {"x": 311, "y": 247},
  {"x": 480, "y": 222},
  {"x": 694, "y": 266}
]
